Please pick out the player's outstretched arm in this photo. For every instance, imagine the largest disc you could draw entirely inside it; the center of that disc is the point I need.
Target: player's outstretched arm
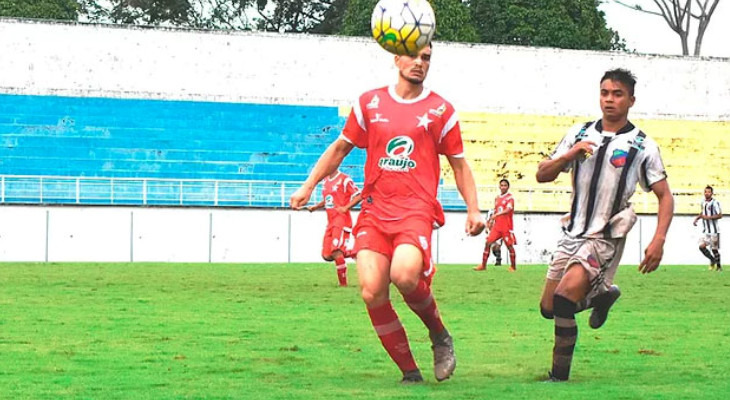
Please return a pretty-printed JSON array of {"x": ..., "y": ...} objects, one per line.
[
  {"x": 467, "y": 187},
  {"x": 327, "y": 163},
  {"x": 356, "y": 199},
  {"x": 655, "y": 251},
  {"x": 316, "y": 206}
]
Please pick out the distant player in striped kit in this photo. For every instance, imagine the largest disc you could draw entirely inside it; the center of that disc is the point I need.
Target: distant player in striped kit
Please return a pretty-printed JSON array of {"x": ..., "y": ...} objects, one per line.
[
  {"x": 339, "y": 195},
  {"x": 607, "y": 159},
  {"x": 710, "y": 215}
]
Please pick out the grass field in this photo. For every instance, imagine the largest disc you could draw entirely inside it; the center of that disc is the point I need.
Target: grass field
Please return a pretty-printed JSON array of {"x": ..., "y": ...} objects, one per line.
[{"x": 160, "y": 331}]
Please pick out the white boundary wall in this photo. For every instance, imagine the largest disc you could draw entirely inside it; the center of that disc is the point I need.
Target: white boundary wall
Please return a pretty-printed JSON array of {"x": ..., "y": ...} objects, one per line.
[
  {"x": 123, "y": 234},
  {"x": 133, "y": 62}
]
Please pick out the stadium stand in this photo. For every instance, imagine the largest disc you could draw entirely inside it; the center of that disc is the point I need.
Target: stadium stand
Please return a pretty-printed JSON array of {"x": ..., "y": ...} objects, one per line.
[{"x": 101, "y": 151}]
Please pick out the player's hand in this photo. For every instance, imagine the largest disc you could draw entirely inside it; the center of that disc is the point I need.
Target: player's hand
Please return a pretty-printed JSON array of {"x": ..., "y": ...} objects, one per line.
[
  {"x": 342, "y": 209},
  {"x": 652, "y": 256},
  {"x": 300, "y": 198},
  {"x": 310, "y": 208},
  {"x": 583, "y": 148},
  {"x": 474, "y": 223},
  {"x": 695, "y": 222}
]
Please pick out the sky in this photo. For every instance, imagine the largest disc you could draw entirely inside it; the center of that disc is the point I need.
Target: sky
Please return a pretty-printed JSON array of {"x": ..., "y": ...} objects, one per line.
[{"x": 650, "y": 34}]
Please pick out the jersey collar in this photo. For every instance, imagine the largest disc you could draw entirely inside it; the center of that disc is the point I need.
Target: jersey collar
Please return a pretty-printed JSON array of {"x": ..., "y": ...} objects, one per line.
[
  {"x": 391, "y": 91},
  {"x": 627, "y": 128},
  {"x": 335, "y": 177}
]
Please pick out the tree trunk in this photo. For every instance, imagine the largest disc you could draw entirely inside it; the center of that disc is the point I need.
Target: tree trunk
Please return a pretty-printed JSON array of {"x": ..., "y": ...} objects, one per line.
[{"x": 685, "y": 46}]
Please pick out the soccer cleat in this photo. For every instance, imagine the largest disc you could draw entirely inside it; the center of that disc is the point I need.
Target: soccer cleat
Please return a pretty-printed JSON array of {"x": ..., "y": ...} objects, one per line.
[
  {"x": 552, "y": 378},
  {"x": 480, "y": 268},
  {"x": 512, "y": 269},
  {"x": 444, "y": 361},
  {"x": 411, "y": 377},
  {"x": 498, "y": 263},
  {"x": 601, "y": 305}
]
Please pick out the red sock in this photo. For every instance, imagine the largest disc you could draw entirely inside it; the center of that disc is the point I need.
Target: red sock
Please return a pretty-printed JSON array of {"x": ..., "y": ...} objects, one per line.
[
  {"x": 421, "y": 301},
  {"x": 512, "y": 257},
  {"x": 392, "y": 336},
  {"x": 341, "y": 266},
  {"x": 485, "y": 256}
]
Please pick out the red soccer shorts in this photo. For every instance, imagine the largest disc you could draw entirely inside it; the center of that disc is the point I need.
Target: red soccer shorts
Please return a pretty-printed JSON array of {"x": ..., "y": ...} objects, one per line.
[
  {"x": 507, "y": 236},
  {"x": 335, "y": 238},
  {"x": 384, "y": 236}
]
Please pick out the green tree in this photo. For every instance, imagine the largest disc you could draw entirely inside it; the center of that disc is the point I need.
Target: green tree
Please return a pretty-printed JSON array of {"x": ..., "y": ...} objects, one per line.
[
  {"x": 567, "y": 24},
  {"x": 41, "y": 9},
  {"x": 453, "y": 20},
  {"x": 205, "y": 14},
  {"x": 298, "y": 15}
]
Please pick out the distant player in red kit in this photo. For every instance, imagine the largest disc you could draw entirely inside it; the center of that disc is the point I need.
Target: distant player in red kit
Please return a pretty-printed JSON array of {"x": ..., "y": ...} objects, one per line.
[
  {"x": 339, "y": 195},
  {"x": 504, "y": 209},
  {"x": 403, "y": 128}
]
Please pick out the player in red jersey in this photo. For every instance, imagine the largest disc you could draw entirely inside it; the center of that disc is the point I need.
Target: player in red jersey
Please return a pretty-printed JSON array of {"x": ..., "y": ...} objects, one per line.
[
  {"x": 504, "y": 209},
  {"x": 403, "y": 128},
  {"x": 339, "y": 195}
]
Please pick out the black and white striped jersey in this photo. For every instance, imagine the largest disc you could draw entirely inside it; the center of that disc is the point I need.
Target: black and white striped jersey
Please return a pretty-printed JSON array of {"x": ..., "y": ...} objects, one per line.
[
  {"x": 604, "y": 182},
  {"x": 711, "y": 207}
]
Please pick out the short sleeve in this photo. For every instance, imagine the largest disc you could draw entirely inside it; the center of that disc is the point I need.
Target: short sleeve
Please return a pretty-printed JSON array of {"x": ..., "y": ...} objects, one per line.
[
  {"x": 355, "y": 131},
  {"x": 717, "y": 207},
  {"x": 450, "y": 142},
  {"x": 652, "y": 168},
  {"x": 351, "y": 188}
]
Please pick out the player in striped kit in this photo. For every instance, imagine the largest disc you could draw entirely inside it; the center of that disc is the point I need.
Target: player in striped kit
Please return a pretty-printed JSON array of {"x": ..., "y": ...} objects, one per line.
[
  {"x": 607, "y": 159},
  {"x": 339, "y": 195},
  {"x": 710, "y": 216}
]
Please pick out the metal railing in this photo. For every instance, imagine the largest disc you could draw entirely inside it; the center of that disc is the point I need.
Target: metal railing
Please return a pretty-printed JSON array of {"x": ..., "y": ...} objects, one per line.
[{"x": 18, "y": 189}]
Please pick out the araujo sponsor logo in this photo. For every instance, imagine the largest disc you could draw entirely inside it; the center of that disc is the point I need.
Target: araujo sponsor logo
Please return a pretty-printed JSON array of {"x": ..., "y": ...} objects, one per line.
[{"x": 398, "y": 150}]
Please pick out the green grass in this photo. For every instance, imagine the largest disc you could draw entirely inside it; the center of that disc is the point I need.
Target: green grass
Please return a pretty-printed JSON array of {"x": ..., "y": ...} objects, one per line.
[{"x": 159, "y": 331}]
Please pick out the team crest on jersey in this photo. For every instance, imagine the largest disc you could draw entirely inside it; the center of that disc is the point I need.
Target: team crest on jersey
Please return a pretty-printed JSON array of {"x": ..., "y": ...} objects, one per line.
[
  {"x": 373, "y": 103},
  {"x": 618, "y": 159},
  {"x": 438, "y": 111},
  {"x": 398, "y": 150}
]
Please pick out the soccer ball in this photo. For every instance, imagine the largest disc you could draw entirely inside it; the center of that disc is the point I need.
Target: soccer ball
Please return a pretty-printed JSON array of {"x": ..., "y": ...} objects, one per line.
[{"x": 403, "y": 26}]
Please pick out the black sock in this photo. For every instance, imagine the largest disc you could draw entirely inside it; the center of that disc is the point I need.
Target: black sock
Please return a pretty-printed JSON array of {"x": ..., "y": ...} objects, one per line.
[
  {"x": 707, "y": 254},
  {"x": 717, "y": 258},
  {"x": 566, "y": 333}
]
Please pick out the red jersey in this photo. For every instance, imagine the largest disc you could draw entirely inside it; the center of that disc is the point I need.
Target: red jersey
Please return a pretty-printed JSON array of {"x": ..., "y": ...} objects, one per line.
[
  {"x": 403, "y": 139},
  {"x": 501, "y": 203},
  {"x": 338, "y": 192}
]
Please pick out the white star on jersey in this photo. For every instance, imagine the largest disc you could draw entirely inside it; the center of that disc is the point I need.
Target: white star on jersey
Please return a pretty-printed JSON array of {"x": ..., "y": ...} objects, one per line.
[{"x": 423, "y": 121}]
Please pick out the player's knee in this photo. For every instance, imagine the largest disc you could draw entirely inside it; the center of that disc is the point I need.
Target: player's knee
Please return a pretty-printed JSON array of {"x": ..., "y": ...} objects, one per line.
[
  {"x": 405, "y": 282},
  {"x": 372, "y": 298},
  {"x": 547, "y": 314}
]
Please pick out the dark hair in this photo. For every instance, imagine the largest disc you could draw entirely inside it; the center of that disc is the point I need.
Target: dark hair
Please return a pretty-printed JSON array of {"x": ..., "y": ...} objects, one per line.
[
  {"x": 504, "y": 180},
  {"x": 621, "y": 75},
  {"x": 709, "y": 187}
]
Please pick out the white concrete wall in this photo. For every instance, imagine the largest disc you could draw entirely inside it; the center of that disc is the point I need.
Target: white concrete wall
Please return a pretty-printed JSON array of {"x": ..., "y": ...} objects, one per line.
[
  {"x": 123, "y": 234},
  {"x": 129, "y": 62}
]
